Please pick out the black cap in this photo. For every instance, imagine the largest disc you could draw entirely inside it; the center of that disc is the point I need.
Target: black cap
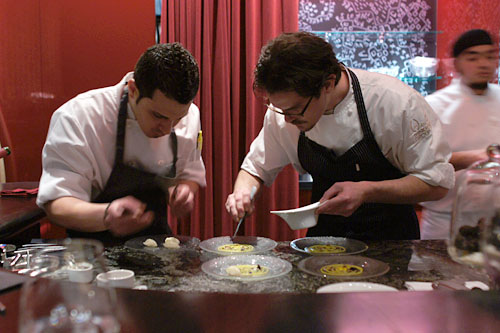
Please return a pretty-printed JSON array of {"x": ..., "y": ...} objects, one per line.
[{"x": 471, "y": 38}]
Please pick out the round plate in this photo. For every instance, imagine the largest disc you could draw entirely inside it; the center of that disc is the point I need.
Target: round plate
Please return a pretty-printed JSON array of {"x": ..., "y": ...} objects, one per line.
[
  {"x": 371, "y": 267},
  {"x": 352, "y": 246},
  {"x": 259, "y": 244},
  {"x": 217, "y": 267},
  {"x": 347, "y": 287},
  {"x": 186, "y": 242}
]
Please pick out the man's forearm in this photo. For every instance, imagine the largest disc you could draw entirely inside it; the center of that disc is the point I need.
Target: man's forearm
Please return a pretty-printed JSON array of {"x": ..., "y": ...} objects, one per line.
[
  {"x": 406, "y": 190},
  {"x": 76, "y": 214}
]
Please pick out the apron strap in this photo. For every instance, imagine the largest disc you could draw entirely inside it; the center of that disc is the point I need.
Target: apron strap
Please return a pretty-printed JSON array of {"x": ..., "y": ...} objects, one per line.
[{"x": 360, "y": 103}]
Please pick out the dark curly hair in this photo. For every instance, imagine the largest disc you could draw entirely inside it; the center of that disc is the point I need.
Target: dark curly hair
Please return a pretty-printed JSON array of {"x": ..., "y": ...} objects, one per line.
[
  {"x": 299, "y": 62},
  {"x": 169, "y": 68}
]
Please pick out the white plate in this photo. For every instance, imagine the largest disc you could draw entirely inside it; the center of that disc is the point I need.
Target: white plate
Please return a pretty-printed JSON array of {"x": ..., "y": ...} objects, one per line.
[
  {"x": 217, "y": 267},
  {"x": 259, "y": 244},
  {"x": 351, "y": 246},
  {"x": 347, "y": 287}
]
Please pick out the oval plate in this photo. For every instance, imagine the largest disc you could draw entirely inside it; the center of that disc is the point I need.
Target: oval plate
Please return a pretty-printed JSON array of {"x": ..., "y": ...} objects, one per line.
[
  {"x": 259, "y": 244},
  {"x": 348, "y": 287},
  {"x": 186, "y": 242},
  {"x": 371, "y": 267},
  {"x": 217, "y": 267},
  {"x": 352, "y": 246}
]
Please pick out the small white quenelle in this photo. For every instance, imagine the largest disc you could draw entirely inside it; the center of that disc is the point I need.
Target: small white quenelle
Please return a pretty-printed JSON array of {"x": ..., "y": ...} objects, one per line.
[
  {"x": 150, "y": 243},
  {"x": 119, "y": 278},
  {"x": 171, "y": 243},
  {"x": 299, "y": 218}
]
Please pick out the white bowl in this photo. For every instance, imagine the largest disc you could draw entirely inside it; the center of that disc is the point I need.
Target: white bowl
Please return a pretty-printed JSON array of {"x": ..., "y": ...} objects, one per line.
[
  {"x": 423, "y": 66},
  {"x": 299, "y": 218},
  {"x": 119, "y": 278},
  {"x": 81, "y": 272}
]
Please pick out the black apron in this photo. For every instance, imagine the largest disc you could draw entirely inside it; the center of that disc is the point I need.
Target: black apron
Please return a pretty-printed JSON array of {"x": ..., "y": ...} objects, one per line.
[
  {"x": 127, "y": 180},
  {"x": 363, "y": 162}
]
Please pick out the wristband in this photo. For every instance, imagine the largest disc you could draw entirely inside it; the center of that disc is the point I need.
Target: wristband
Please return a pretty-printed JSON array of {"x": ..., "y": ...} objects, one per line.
[{"x": 106, "y": 214}]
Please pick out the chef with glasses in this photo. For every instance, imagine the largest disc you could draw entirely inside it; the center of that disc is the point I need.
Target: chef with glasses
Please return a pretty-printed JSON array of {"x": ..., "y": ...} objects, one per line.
[{"x": 372, "y": 145}]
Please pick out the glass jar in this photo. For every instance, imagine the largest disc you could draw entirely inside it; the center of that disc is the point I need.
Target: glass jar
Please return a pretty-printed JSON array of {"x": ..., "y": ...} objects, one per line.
[{"x": 474, "y": 204}]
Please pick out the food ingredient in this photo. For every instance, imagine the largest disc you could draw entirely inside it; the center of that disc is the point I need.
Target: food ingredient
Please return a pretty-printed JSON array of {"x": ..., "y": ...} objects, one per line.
[
  {"x": 341, "y": 270},
  {"x": 325, "y": 248},
  {"x": 247, "y": 270},
  {"x": 171, "y": 243},
  {"x": 150, "y": 243},
  {"x": 235, "y": 247}
]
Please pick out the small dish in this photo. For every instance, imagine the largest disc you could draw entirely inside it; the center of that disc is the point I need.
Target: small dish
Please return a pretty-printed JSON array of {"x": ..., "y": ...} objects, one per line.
[
  {"x": 273, "y": 267},
  {"x": 242, "y": 245},
  {"x": 343, "y": 267},
  {"x": 348, "y": 287},
  {"x": 185, "y": 242},
  {"x": 118, "y": 278},
  {"x": 299, "y": 218},
  {"x": 345, "y": 246},
  {"x": 81, "y": 272}
]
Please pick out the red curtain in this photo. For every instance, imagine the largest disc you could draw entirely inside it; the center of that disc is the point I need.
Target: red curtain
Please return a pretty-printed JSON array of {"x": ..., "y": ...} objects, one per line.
[{"x": 226, "y": 37}]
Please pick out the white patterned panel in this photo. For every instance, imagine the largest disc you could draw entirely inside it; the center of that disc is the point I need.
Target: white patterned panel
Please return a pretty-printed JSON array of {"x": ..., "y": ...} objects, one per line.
[{"x": 376, "y": 35}]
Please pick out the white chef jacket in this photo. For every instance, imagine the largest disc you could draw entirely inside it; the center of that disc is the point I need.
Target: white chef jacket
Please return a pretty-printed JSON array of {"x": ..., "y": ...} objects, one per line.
[
  {"x": 405, "y": 128},
  {"x": 79, "y": 152},
  {"x": 469, "y": 122}
]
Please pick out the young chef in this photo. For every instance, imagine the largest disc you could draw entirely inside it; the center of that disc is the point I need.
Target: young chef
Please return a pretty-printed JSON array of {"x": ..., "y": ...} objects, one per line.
[
  {"x": 109, "y": 151},
  {"x": 372, "y": 144},
  {"x": 469, "y": 109}
]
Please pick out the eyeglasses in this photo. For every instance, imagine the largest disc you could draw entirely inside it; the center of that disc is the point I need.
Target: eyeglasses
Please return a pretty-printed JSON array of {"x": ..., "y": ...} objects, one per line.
[{"x": 275, "y": 109}]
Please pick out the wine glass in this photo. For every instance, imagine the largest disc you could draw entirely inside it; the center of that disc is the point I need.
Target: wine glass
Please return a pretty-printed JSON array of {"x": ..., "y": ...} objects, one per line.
[{"x": 50, "y": 303}]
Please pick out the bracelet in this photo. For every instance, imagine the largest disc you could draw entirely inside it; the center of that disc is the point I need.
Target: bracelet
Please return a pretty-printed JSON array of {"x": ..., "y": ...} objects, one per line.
[{"x": 106, "y": 214}]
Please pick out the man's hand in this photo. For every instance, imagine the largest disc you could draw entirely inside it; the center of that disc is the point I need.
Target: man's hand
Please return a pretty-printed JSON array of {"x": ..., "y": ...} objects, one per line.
[
  {"x": 181, "y": 199},
  {"x": 239, "y": 202},
  {"x": 342, "y": 198},
  {"x": 127, "y": 216}
]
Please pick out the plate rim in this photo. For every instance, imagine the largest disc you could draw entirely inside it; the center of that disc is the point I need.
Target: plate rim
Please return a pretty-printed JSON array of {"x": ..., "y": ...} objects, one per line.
[
  {"x": 288, "y": 268},
  {"x": 201, "y": 245},
  {"x": 301, "y": 263},
  {"x": 296, "y": 248},
  {"x": 389, "y": 288}
]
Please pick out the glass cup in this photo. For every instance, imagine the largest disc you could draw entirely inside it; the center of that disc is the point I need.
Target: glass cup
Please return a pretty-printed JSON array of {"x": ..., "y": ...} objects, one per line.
[
  {"x": 490, "y": 247},
  {"x": 50, "y": 303}
]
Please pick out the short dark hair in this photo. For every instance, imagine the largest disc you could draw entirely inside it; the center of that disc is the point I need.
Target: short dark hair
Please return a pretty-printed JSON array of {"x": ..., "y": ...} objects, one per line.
[
  {"x": 299, "y": 62},
  {"x": 169, "y": 68},
  {"x": 471, "y": 38}
]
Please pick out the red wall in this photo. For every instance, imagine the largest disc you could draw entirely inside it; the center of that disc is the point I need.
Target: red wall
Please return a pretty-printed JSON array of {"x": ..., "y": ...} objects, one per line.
[
  {"x": 458, "y": 16},
  {"x": 51, "y": 50}
]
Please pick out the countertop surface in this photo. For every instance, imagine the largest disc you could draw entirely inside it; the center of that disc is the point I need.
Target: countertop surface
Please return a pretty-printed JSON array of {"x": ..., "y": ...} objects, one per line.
[{"x": 180, "y": 270}]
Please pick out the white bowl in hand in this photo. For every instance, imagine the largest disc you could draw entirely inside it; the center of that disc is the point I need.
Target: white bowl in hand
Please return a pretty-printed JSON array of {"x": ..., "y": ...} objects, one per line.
[
  {"x": 119, "y": 278},
  {"x": 299, "y": 218}
]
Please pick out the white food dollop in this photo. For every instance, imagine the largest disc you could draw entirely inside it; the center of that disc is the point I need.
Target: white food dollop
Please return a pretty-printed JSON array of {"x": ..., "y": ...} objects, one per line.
[
  {"x": 150, "y": 243},
  {"x": 233, "y": 270},
  {"x": 171, "y": 243}
]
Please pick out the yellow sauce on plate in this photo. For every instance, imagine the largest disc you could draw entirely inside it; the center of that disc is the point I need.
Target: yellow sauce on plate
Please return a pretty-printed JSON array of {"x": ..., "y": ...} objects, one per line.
[
  {"x": 341, "y": 270},
  {"x": 325, "y": 248},
  {"x": 248, "y": 270},
  {"x": 235, "y": 248}
]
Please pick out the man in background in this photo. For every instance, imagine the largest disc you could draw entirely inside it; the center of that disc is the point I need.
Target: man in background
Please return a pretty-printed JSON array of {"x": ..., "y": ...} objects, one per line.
[{"x": 469, "y": 109}]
